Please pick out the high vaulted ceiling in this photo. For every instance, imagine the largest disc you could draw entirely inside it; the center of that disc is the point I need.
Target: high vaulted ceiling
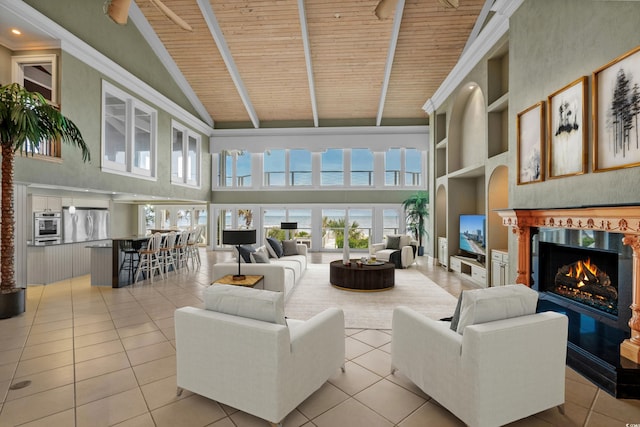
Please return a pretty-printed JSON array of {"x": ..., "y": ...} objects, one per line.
[{"x": 262, "y": 63}]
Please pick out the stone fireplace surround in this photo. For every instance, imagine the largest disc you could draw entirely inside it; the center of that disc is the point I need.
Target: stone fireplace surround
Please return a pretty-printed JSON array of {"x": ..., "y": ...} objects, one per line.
[{"x": 622, "y": 379}]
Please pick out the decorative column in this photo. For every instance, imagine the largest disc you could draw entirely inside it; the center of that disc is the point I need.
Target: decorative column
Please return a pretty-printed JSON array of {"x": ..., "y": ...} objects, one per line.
[
  {"x": 524, "y": 254},
  {"x": 630, "y": 348}
]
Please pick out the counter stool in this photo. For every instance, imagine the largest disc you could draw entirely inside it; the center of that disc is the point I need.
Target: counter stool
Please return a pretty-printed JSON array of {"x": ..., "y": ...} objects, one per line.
[
  {"x": 150, "y": 258},
  {"x": 167, "y": 250},
  {"x": 130, "y": 258}
]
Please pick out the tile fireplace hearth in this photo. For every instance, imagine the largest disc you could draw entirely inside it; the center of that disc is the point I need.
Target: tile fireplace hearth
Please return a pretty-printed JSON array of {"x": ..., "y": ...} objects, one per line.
[{"x": 585, "y": 262}]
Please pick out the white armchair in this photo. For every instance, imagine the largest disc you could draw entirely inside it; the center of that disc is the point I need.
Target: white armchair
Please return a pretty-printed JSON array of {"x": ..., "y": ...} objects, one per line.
[
  {"x": 240, "y": 351},
  {"x": 491, "y": 374},
  {"x": 393, "y": 243}
]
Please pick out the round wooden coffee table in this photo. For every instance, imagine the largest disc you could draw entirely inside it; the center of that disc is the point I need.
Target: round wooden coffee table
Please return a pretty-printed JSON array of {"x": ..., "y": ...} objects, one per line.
[{"x": 368, "y": 278}]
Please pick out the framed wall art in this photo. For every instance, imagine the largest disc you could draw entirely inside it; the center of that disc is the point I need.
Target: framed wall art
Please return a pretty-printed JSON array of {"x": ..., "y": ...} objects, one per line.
[
  {"x": 567, "y": 136},
  {"x": 530, "y": 144},
  {"x": 616, "y": 113}
]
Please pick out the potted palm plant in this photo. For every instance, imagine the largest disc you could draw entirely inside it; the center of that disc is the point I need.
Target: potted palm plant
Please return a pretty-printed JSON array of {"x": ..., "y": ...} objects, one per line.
[
  {"x": 24, "y": 117},
  {"x": 416, "y": 208}
]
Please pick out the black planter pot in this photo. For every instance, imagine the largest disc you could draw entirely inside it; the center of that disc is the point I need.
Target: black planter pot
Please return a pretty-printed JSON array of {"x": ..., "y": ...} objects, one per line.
[
  {"x": 12, "y": 303},
  {"x": 420, "y": 250}
]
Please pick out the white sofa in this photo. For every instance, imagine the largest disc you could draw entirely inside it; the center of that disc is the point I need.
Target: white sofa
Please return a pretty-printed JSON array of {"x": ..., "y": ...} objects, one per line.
[
  {"x": 240, "y": 351},
  {"x": 405, "y": 246},
  {"x": 280, "y": 274},
  {"x": 492, "y": 373}
]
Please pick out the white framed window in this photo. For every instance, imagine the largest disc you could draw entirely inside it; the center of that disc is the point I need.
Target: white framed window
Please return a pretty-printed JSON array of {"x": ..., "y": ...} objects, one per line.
[
  {"x": 300, "y": 168},
  {"x": 37, "y": 73},
  {"x": 275, "y": 168},
  {"x": 185, "y": 155},
  {"x": 403, "y": 167},
  {"x": 129, "y": 134},
  {"x": 234, "y": 169},
  {"x": 332, "y": 167},
  {"x": 362, "y": 172}
]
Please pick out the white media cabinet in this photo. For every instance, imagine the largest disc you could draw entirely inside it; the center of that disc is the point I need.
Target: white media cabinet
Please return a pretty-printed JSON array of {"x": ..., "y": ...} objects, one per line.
[{"x": 469, "y": 267}]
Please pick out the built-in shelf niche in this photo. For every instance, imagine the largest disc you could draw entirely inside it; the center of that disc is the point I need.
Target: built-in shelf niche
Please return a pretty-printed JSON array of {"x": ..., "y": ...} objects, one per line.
[
  {"x": 441, "y": 128},
  {"x": 498, "y": 104},
  {"x": 498, "y": 77}
]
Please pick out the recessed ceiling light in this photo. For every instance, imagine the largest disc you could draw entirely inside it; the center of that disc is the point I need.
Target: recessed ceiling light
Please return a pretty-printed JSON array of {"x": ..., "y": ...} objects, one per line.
[{"x": 16, "y": 31}]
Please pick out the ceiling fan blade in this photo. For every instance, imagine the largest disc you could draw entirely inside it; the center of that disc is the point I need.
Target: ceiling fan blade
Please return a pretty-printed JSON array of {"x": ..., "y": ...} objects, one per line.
[
  {"x": 118, "y": 10},
  {"x": 171, "y": 15}
]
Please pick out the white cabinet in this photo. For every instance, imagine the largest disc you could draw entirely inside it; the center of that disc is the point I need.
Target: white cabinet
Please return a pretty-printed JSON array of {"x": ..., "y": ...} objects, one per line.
[
  {"x": 499, "y": 267},
  {"x": 443, "y": 252},
  {"x": 46, "y": 203},
  {"x": 469, "y": 267}
]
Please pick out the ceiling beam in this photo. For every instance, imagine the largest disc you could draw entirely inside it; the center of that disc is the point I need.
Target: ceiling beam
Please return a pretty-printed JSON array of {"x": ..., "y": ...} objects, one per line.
[
  {"x": 141, "y": 23},
  {"x": 479, "y": 23},
  {"x": 216, "y": 33},
  {"x": 307, "y": 58},
  {"x": 397, "y": 20}
]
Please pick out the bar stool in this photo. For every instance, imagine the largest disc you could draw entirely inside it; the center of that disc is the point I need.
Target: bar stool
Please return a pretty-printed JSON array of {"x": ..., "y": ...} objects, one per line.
[
  {"x": 192, "y": 246},
  {"x": 181, "y": 250},
  {"x": 166, "y": 252},
  {"x": 130, "y": 258},
  {"x": 149, "y": 258}
]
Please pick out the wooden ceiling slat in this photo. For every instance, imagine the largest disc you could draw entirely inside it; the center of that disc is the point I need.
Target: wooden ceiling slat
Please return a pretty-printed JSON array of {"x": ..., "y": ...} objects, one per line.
[{"x": 348, "y": 53}]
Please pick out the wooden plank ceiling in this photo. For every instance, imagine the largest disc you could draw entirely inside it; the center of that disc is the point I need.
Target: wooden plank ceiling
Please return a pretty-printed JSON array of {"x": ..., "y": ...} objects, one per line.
[{"x": 348, "y": 46}]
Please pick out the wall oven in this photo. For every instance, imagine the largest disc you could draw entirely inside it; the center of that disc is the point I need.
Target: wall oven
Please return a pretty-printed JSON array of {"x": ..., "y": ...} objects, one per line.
[{"x": 47, "y": 227}]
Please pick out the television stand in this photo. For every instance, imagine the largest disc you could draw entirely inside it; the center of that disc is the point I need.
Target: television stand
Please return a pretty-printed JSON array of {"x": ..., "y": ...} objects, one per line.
[{"x": 469, "y": 267}]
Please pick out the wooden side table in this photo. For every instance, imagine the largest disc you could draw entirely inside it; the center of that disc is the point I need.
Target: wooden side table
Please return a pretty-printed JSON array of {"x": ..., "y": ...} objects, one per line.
[{"x": 249, "y": 281}]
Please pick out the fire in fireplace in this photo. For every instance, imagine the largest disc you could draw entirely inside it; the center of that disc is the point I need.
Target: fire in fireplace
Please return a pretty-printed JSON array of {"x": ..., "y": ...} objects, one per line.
[
  {"x": 585, "y": 276},
  {"x": 584, "y": 282}
]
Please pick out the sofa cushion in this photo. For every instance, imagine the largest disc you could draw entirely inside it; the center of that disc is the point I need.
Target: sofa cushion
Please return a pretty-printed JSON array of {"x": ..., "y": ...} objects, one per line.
[
  {"x": 245, "y": 253},
  {"x": 260, "y": 258},
  {"x": 489, "y": 304},
  {"x": 257, "y": 304},
  {"x": 393, "y": 242},
  {"x": 276, "y": 246},
  {"x": 289, "y": 247}
]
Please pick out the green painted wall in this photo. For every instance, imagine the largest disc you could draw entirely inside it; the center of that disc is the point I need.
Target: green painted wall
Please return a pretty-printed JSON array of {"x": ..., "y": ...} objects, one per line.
[
  {"x": 123, "y": 44},
  {"x": 552, "y": 43},
  {"x": 81, "y": 102}
]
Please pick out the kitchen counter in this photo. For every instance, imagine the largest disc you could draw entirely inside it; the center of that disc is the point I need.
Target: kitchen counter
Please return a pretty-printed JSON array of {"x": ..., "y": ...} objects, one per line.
[
  {"x": 49, "y": 263},
  {"x": 31, "y": 243},
  {"x": 100, "y": 264}
]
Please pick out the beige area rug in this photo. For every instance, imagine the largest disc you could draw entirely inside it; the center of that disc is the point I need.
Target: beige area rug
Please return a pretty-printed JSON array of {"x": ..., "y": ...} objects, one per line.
[{"x": 368, "y": 310}]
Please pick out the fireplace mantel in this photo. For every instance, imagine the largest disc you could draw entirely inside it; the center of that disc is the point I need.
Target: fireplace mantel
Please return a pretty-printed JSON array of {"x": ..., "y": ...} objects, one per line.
[{"x": 614, "y": 219}]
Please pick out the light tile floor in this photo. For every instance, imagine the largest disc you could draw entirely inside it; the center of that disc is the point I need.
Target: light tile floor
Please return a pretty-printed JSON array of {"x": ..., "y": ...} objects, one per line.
[{"x": 98, "y": 356}]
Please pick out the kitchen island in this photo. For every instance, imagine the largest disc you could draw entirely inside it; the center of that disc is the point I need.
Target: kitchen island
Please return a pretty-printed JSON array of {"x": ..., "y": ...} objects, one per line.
[
  {"x": 49, "y": 263},
  {"x": 117, "y": 279}
]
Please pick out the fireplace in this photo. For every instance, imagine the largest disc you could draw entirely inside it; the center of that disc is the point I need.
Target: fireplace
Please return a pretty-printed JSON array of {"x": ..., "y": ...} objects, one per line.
[
  {"x": 585, "y": 262},
  {"x": 585, "y": 276}
]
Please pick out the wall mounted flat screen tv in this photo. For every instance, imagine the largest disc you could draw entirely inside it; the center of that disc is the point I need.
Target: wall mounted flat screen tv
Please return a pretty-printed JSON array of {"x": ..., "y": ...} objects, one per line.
[{"x": 473, "y": 234}]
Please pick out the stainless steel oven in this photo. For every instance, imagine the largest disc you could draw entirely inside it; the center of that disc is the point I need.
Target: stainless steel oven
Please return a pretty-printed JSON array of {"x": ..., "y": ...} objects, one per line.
[{"x": 47, "y": 226}]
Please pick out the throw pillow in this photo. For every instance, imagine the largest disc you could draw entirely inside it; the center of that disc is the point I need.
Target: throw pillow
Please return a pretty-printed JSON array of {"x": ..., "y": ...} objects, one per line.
[
  {"x": 393, "y": 242},
  {"x": 289, "y": 247},
  {"x": 490, "y": 304},
  {"x": 258, "y": 304},
  {"x": 245, "y": 253},
  {"x": 456, "y": 314},
  {"x": 270, "y": 252},
  {"x": 276, "y": 246},
  {"x": 260, "y": 258}
]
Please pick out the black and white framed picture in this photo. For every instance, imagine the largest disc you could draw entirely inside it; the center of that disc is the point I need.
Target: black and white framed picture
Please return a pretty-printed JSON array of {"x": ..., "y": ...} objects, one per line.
[
  {"x": 616, "y": 113},
  {"x": 530, "y": 144},
  {"x": 567, "y": 136}
]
